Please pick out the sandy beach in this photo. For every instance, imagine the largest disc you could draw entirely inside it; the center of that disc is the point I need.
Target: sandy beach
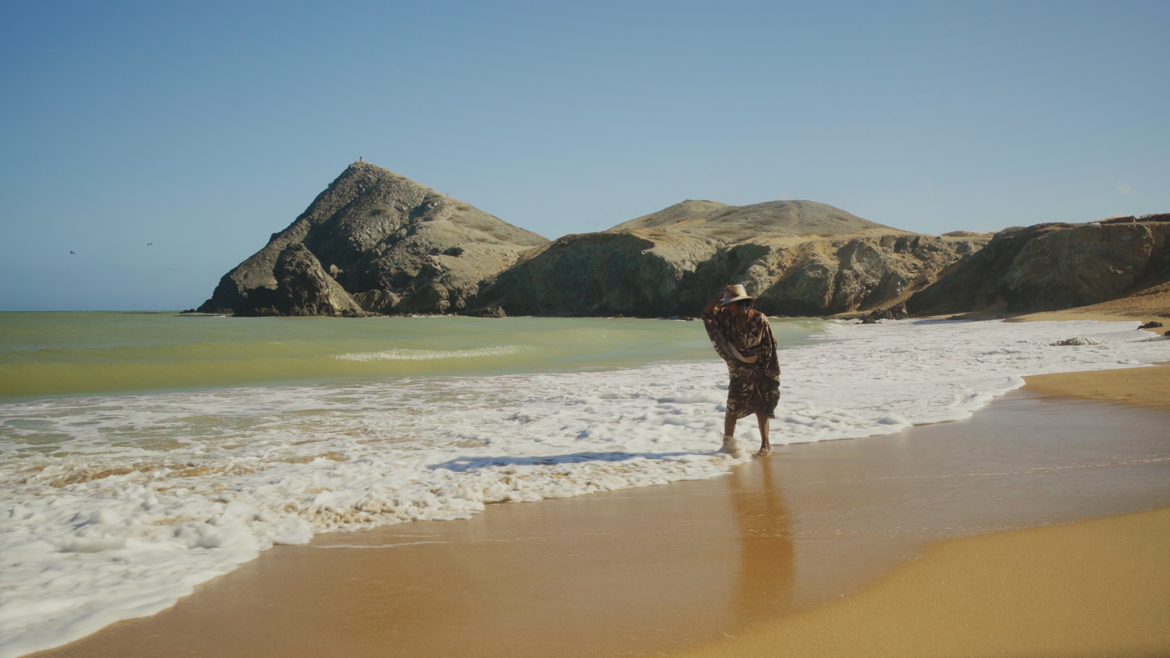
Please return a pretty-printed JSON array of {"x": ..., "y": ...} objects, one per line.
[
  {"x": 1089, "y": 588},
  {"x": 820, "y": 547}
]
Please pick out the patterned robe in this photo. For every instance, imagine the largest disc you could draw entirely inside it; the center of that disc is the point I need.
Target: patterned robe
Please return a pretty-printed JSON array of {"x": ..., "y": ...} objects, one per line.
[{"x": 755, "y": 387}]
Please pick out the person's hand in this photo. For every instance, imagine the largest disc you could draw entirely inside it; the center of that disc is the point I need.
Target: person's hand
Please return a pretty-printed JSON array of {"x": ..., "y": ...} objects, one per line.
[{"x": 712, "y": 305}]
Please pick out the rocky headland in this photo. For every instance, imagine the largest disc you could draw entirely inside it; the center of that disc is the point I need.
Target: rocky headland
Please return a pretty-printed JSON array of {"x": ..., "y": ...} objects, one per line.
[
  {"x": 1055, "y": 266},
  {"x": 390, "y": 244},
  {"x": 302, "y": 288},
  {"x": 375, "y": 242}
]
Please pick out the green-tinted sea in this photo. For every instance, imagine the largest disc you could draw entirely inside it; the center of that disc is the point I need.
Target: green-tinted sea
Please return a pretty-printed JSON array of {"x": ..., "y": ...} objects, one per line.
[{"x": 53, "y": 354}]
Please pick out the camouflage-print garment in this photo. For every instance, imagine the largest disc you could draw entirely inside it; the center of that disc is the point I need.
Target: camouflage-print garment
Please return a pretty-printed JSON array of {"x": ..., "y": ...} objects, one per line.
[{"x": 755, "y": 387}]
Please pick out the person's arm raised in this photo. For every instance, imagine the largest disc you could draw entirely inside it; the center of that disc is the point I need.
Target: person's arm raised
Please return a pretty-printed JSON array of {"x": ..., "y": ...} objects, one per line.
[{"x": 709, "y": 309}]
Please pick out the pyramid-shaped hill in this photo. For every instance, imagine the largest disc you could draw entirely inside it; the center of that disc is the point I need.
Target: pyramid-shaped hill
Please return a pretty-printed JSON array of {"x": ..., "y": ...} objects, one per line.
[
  {"x": 394, "y": 245},
  {"x": 732, "y": 224}
]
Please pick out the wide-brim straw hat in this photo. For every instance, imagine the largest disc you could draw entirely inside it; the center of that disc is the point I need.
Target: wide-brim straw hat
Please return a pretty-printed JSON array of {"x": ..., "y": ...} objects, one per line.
[{"x": 734, "y": 293}]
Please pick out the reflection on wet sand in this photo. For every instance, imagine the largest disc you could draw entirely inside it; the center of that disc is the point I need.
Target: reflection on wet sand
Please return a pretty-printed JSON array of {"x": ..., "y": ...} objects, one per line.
[{"x": 767, "y": 566}]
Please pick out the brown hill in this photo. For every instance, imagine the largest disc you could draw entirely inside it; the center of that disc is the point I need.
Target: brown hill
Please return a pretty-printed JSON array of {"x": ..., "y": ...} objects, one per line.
[
  {"x": 731, "y": 224},
  {"x": 799, "y": 257}
]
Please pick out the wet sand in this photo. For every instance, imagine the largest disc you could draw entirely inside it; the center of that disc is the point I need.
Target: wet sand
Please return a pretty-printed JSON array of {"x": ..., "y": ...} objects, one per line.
[
  {"x": 664, "y": 569},
  {"x": 1092, "y": 588},
  {"x": 1089, "y": 588}
]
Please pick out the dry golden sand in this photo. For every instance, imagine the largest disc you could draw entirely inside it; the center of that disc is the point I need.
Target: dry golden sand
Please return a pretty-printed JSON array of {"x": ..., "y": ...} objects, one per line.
[
  {"x": 1151, "y": 303},
  {"x": 1145, "y": 387}
]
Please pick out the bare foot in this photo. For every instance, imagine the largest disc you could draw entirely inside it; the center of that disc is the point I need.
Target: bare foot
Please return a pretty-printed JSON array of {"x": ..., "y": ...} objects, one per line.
[
  {"x": 733, "y": 447},
  {"x": 764, "y": 452}
]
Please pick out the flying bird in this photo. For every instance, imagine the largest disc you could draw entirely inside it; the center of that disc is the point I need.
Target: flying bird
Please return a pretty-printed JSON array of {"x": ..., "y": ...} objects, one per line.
[
  {"x": 149, "y": 243},
  {"x": 71, "y": 253}
]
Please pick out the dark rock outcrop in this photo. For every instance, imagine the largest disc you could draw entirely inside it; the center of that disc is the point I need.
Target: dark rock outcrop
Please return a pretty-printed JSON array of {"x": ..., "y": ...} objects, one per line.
[
  {"x": 395, "y": 245},
  {"x": 894, "y": 312},
  {"x": 1052, "y": 266},
  {"x": 302, "y": 288},
  {"x": 601, "y": 274},
  {"x": 1076, "y": 342}
]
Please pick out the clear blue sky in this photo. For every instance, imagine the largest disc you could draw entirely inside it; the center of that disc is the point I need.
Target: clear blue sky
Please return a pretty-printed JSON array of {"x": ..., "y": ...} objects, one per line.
[{"x": 203, "y": 127}]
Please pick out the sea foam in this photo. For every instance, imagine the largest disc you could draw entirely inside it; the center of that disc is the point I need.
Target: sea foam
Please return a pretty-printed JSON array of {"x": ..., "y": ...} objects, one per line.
[
  {"x": 114, "y": 507},
  {"x": 429, "y": 355}
]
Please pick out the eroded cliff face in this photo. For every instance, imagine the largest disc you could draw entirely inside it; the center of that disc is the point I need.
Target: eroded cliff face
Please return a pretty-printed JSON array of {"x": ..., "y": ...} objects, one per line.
[
  {"x": 302, "y": 288},
  {"x": 1053, "y": 266},
  {"x": 655, "y": 272},
  {"x": 393, "y": 244},
  {"x": 636, "y": 273},
  {"x": 875, "y": 269}
]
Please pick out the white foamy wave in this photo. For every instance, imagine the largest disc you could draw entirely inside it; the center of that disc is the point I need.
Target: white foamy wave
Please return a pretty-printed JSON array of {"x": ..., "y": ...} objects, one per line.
[
  {"x": 429, "y": 355},
  {"x": 114, "y": 507}
]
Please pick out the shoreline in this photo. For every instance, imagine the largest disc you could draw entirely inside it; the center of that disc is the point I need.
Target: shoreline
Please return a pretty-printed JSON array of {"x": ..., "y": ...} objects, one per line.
[
  {"x": 665, "y": 568},
  {"x": 1097, "y": 586}
]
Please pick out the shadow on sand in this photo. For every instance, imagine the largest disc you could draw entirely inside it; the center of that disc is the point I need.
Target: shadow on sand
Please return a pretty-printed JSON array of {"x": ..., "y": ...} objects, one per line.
[{"x": 464, "y": 464}]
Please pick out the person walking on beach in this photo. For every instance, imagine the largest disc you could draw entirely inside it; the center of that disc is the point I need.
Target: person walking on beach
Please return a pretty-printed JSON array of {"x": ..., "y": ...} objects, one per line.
[{"x": 744, "y": 339}]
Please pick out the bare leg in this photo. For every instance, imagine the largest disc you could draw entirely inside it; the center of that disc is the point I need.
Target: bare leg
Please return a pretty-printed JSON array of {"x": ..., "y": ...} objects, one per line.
[
  {"x": 729, "y": 424},
  {"x": 730, "y": 445},
  {"x": 765, "y": 446}
]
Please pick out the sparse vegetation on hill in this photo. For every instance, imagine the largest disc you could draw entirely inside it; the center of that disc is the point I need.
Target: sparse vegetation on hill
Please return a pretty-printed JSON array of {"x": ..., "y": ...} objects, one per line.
[
  {"x": 732, "y": 224},
  {"x": 377, "y": 242}
]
